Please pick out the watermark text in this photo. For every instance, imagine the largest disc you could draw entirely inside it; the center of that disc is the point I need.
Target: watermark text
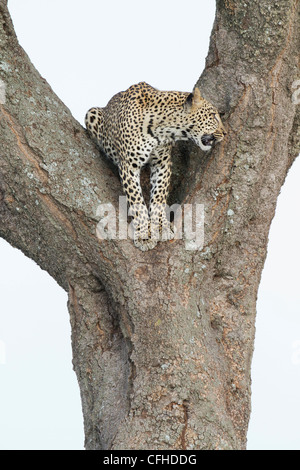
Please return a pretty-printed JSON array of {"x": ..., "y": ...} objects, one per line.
[{"x": 188, "y": 222}]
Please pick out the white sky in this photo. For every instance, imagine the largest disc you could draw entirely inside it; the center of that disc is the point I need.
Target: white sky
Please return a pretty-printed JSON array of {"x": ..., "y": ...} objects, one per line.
[{"x": 88, "y": 52}]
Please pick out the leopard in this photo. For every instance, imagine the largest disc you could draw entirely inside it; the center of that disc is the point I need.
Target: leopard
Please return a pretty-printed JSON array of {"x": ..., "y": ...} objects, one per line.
[{"x": 139, "y": 127}]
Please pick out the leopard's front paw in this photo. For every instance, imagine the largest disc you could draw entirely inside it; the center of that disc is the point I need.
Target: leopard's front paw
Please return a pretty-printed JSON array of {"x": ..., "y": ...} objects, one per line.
[
  {"x": 142, "y": 238},
  {"x": 145, "y": 244},
  {"x": 167, "y": 232},
  {"x": 162, "y": 230}
]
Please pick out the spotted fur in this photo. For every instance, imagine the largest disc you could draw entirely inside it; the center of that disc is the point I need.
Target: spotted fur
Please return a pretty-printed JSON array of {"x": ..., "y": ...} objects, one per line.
[{"x": 139, "y": 126}]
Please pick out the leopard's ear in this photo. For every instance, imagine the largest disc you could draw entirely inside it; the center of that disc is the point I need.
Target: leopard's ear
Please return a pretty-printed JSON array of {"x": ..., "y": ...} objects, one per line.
[
  {"x": 189, "y": 102},
  {"x": 194, "y": 100},
  {"x": 197, "y": 98}
]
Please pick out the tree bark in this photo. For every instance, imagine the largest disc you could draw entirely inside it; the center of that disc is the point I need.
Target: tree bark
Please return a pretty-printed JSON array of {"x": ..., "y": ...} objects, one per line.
[{"x": 162, "y": 340}]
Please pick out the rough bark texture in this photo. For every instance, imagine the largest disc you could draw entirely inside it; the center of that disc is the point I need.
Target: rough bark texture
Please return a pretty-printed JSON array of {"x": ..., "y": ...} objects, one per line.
[{"x": 162, "y": 340}]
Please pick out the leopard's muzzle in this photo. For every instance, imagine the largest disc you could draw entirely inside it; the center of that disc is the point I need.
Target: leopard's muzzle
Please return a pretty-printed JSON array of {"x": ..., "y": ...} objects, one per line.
[{"x": 208, "y": 140}]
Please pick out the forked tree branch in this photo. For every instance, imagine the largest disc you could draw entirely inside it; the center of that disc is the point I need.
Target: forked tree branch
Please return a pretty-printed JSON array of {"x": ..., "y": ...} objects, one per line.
[{"x": 162, "y": 340}]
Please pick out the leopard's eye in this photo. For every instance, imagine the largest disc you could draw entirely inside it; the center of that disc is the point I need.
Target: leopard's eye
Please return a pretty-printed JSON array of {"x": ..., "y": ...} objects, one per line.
[{"x": 214, "y": 116}]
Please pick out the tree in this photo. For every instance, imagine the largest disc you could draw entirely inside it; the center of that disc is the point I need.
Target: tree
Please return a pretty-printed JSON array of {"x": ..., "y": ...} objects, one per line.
[{"x": 162, "y": 341}]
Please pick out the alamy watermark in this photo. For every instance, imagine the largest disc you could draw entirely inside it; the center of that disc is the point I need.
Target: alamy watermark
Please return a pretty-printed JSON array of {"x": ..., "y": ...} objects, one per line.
[{"x": 188, "y": 222}]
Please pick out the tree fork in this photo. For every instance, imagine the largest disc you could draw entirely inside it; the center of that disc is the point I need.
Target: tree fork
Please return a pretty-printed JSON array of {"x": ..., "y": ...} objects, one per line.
[{"x": 162, "y": 341}]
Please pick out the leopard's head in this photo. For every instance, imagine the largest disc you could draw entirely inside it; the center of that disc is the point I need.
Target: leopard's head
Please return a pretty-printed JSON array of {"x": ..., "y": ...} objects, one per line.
[{"x": 203, "y": 122}]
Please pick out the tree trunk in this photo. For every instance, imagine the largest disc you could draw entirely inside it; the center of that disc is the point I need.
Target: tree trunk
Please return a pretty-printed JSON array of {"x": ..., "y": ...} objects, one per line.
[{"x": 162, "y": 340}]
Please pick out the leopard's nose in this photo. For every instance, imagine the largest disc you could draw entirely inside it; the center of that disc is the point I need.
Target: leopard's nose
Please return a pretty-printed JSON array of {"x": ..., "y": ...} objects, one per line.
[{"x": 208, "y": 139}]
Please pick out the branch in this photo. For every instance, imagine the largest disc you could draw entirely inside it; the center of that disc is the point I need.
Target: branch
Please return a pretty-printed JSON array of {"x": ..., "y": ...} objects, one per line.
[{"x": 52, "y": 177}]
